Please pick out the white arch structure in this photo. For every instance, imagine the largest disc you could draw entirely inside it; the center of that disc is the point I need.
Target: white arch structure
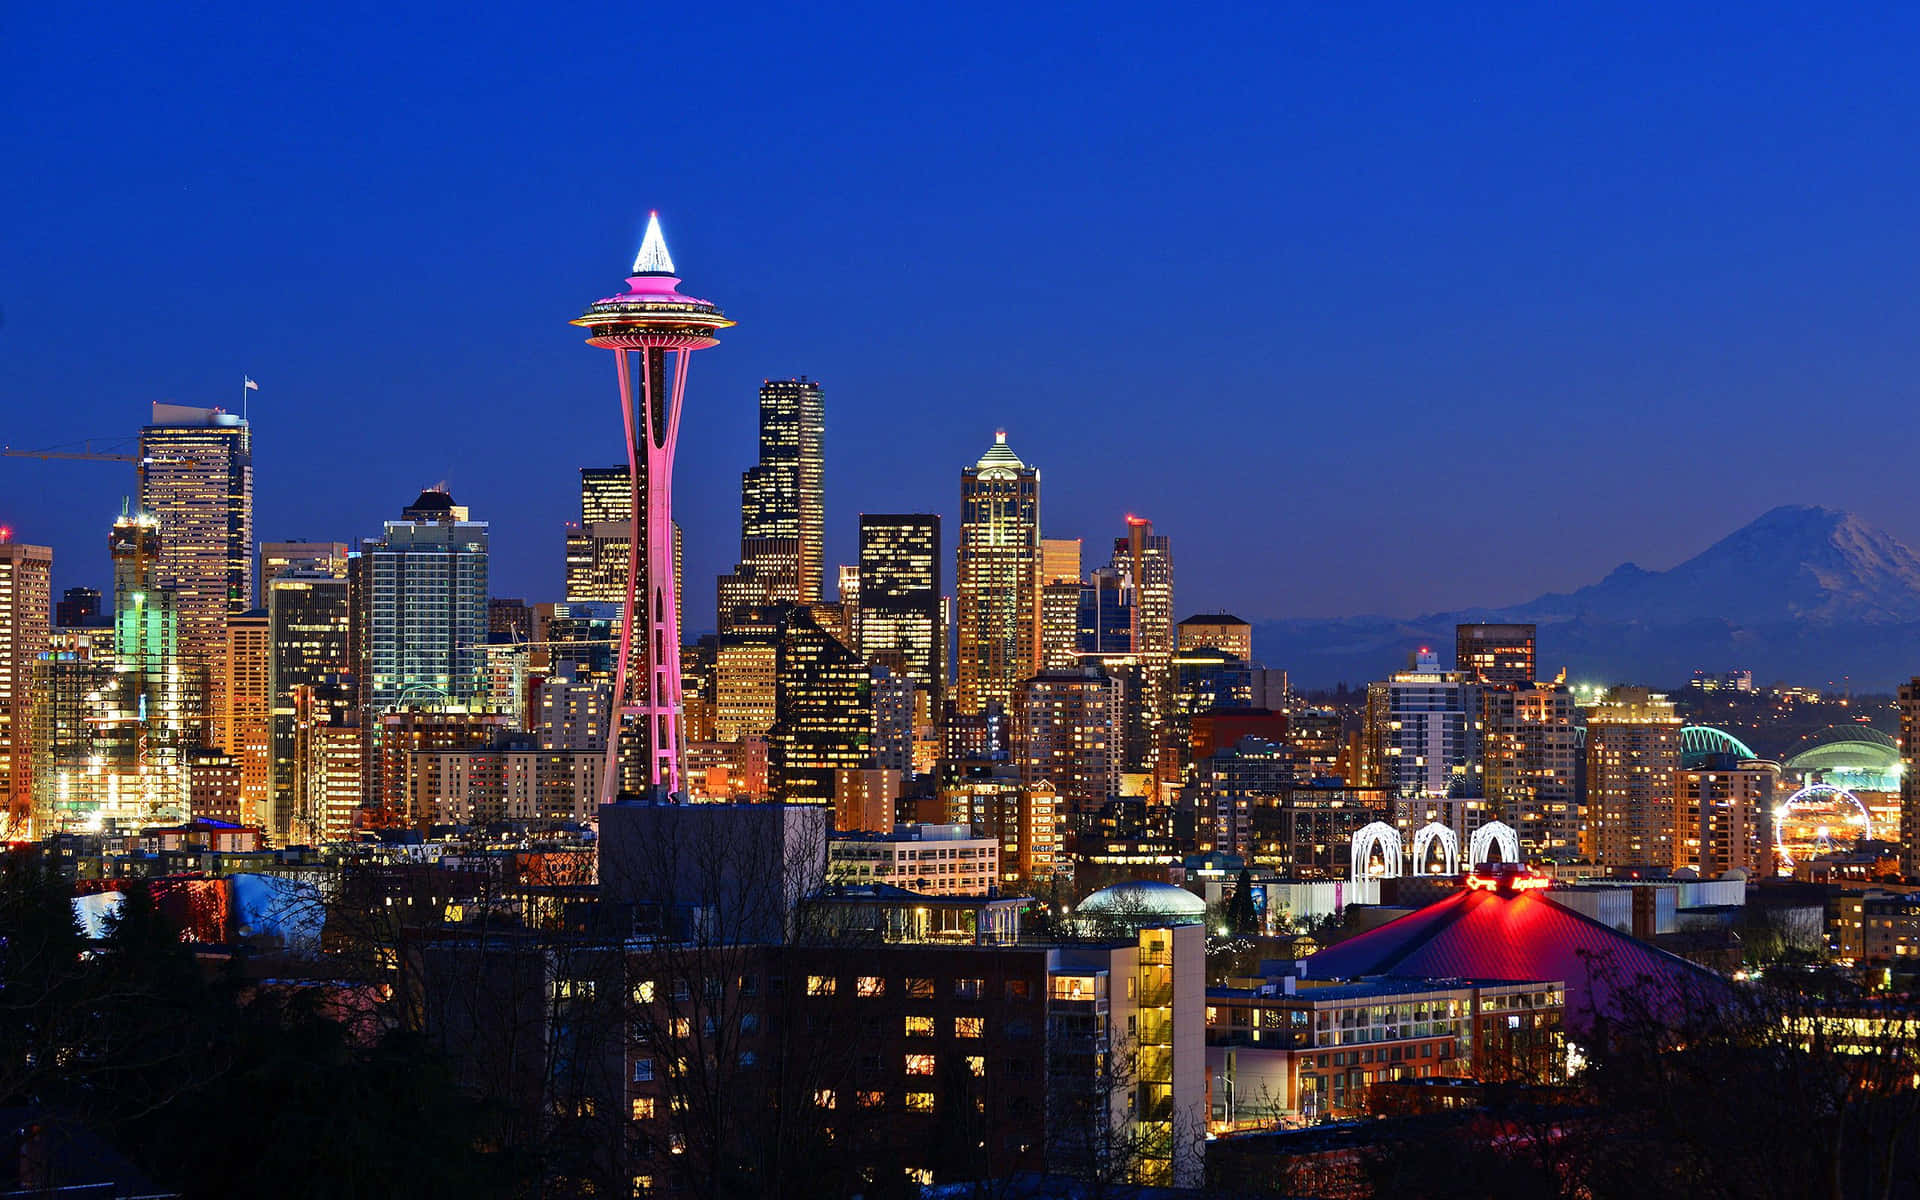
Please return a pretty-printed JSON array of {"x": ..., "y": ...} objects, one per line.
[
  {"x": 1493, "y": 833},
  {"x": 1449, "y": 841},
  {"x": 1387, "y": 839}
]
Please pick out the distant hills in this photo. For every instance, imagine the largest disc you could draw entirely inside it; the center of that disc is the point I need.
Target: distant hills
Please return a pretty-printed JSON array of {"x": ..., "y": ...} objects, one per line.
[{"x": 1802, "y": 594}]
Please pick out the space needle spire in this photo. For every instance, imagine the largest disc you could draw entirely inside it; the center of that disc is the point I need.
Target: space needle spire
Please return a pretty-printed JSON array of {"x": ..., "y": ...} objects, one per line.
[{"x": 653, "y": 331}]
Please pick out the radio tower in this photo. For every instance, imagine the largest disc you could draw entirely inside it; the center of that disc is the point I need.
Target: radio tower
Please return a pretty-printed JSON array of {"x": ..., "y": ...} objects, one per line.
[{"x": 642, "y": 327}]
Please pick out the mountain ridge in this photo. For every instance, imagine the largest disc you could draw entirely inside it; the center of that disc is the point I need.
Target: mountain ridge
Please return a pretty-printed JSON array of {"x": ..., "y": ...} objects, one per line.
[{"x": 1801, "y": 592}]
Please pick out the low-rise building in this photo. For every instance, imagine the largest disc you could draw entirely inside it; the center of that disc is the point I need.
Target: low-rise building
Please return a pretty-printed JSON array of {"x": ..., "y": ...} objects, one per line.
[{"x": 936, "y": 860}]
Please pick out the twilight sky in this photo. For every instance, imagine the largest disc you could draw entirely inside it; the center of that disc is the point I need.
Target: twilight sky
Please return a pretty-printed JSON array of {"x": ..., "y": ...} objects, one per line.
[{"x": 1372, "y": 307}]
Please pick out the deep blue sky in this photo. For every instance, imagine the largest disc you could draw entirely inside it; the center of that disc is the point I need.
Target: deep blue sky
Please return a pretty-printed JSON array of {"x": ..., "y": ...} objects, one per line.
[{"x": 1372, "y": 307}]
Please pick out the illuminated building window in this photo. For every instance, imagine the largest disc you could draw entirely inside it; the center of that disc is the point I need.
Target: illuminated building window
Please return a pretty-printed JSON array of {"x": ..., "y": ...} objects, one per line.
[
  {"x": 976, "y": 1065},
  {"x": 920, "y": 1102},
  {"x": 825, "y": 1098},
  {"x": 821, "y": 985},
  {"x": 919, "y": 1026},
  {"x": 643, "y": 1108},
  {"x": 870, "y": 985},
  {"x": 919, "y": 1064},
  {"x": 919, "y": 988},
  {"x": 968, "y": 1027}
]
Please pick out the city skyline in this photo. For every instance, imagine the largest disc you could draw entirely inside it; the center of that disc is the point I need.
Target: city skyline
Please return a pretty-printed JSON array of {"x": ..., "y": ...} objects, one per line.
[{"x": 1503, "y": 312}]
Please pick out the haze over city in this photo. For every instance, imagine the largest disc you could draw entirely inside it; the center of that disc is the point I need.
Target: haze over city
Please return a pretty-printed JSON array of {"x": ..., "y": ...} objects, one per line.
[{"x": 1318, "y": 296}]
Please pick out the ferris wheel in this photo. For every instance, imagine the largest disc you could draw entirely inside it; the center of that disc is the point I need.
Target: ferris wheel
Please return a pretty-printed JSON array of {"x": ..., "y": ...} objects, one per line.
[{"x": 1818, "y": 819}]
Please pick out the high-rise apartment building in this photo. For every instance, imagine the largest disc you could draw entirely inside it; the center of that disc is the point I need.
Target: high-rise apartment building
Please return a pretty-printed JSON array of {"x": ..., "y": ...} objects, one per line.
[
  {"x": 196, "y": 480},
  {"x": 998, "y": 578},
  {"x": 782, "y": 504},
  {"x": 427, "y": 625},
  {"x": 900, "y": 623},
  {"x": 1066, "y": 727},
  {"x": 1427, "y": 726},
  {"x": 419, "y": 618},
  {"x": 1501, "y": 655},
  {"x": 823, "y": 712},
  {"x": 309, "y": 682},
  {"x": 1633, "y": 755},
  {"x": 1530, "y": 747},
  {"x": 1910, "y": 778},
  {"x": 1060, "y": 624},
  {"x": 71, "y": 779},
  {"x": 1720, "y": 810},
  {"x": 26, "y": 602},
  {"x": 848, "y": 591},
  {"x": 153, "y": 714}
]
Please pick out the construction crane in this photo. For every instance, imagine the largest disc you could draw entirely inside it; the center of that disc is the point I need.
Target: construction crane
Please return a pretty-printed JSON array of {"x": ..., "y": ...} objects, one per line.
[{"x": 86, "y": 453}]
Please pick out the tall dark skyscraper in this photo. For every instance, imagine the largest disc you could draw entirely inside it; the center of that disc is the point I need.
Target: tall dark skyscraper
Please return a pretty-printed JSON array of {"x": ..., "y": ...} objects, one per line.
[
  {"x": 782, "y": 504},
  {"x": 309, "y": 684},
  {"x": 900, "y": 597},
  {"x": 823, "y": 711}
]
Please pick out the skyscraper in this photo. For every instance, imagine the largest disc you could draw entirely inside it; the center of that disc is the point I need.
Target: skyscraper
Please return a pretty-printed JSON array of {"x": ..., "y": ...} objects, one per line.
[
  {"x": 1429, "y": 752},
  {"x": 279, "y": 558},
  {"x": 998, "y": 577},
  {"x": 309, "y": 687},
  {"x": 642, "y": 326},
  {"x": 196, "y": 480},
  {"x": 1531, "y": 749},
  {"x": 242, "y": 722},
  {"x": 26, "y": 599},
  {"x": 782, "y": 505},
  {"x": 823, "y": 712},
  {"x": 1147, "y": 560},
  {"x": 900, "y": 598},
  {"x": 153, "y": 715}
]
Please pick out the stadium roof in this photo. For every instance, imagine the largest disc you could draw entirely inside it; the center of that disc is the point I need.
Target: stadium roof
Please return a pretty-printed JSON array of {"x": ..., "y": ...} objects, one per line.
[{"x": 1495, "y": 935}]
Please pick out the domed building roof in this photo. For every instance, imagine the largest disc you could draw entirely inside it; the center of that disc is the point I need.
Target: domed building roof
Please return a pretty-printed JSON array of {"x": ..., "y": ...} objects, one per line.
[{"x": 1146, "y": 900}]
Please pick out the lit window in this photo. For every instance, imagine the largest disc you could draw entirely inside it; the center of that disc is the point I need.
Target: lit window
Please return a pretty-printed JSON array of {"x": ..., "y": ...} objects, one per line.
[
  {"x": 919, "y": 1026},
  {"x": 825, "y": 1098},
  {"x": 919, "y": 1064},
  {"x": 821, "y": 985},
  {"x": 682, "y": 1027},
  {"x": 871, "y": 1099},
  {"x": 643, "y": 992},
  {"x": 919, "y": 988},
  {"x": 870, "y": 985},
  {"x": 968, "y": 1027},
  {"x": 643, "y": 1108},
  {"x": 919, "y": 1101},
  {"x": 643, "y": 1185},
  {"x": 976, "y": 1065}
]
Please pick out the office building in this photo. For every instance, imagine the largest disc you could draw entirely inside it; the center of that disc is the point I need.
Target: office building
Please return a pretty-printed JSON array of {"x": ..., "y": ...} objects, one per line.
[
  {"x": 242, "y": 724},
  {"x": 900, "y": 621},
  {"x": 427, "y": 625},
  {"x": 1059, "y": 560},
  {"x": 1106, "y": 612},
  {"x": 782, "y": 506},
  {"x": 310, "y": 685},
  {"x": 72, "y": 681},
  {"x": 930, "y": 859},
  {"x": 1216, "y": 631},
  {"x": 26, "y": 600},
  {"x": 574, "y": 712},
  {"x": 866, "y": 799},
  {"x": 306, "y": 558},
  {"x": 1909, "y": 704},
  {"x": 893, "y": 719},
  {"x": 848, "y": 591},
  {"x": 196, "y": 480},
  {"x": 998, "y": 578},
  {"x": 79, "y": 606},
  {"x": 1060, "y": 624},
  {"x": 1633, "y": 755},
  {"x": 823, "y": 712}
]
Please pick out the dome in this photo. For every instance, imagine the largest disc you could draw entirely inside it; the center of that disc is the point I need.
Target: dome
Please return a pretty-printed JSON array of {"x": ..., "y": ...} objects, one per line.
[
  {"x": 1144, "y": 899},
  {"x": 1852, "y": 756}
]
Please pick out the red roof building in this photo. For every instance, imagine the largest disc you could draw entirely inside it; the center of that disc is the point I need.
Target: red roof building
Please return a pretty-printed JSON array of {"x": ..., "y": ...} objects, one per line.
[{"x": 1508, "y": 933}]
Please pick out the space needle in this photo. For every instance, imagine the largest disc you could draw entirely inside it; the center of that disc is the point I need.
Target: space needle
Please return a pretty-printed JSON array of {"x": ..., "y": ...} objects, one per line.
[{"x": 643, "y": 326}]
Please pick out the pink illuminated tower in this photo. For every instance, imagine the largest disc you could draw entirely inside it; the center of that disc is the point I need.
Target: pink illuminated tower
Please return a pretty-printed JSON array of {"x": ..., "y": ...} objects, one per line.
[{"x": 644, "y": 325}]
